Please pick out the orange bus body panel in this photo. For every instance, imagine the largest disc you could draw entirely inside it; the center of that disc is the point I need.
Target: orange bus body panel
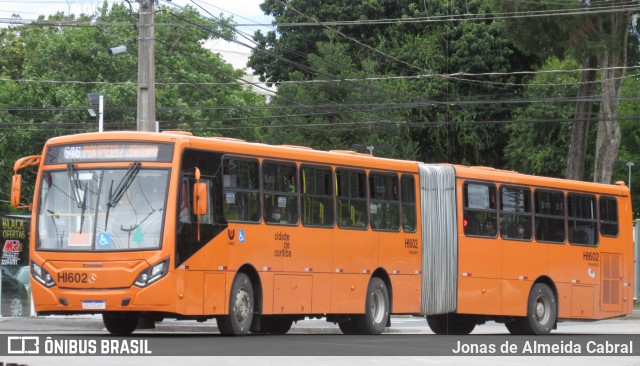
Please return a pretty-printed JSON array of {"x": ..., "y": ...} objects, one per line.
[
  {"x": 496, "y": 275},
  {"x": 304, "y": 270}
]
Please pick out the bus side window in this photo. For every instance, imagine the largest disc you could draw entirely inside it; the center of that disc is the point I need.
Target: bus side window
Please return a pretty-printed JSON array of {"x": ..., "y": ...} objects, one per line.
[
  {"x": 515, "y": 213},
  {"x": 384, "y": 203},
  {"x": 582, "y": 220},
  {"x": 317, "y": 196},
  {"x": 480, "y": 213},
  {"x": 351, "y": 196},
  {"x": 280, "y": 193},
  {"x": 549, "y": 216},
  {"x": 408, "y": 189},
  {"x": 608, "y": 216},
  {"x": 241, "y": 190}
]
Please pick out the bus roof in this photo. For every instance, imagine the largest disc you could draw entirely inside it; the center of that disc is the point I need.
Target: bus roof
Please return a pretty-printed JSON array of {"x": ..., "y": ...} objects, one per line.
[{"x": 338, "y": 157}]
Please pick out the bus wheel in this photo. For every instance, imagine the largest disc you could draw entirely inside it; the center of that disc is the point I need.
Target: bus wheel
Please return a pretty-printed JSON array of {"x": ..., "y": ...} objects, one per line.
[
  {"x": 450, "y": 324},
  {"x": 513, "y": 327},
  {"x": 347, "y": 327},
  {"x": 276, "y": 324},
  {"x": 542, "y": 311},
  {"x": 376, "y": 312},
  {"x": 241, "y": 306},
  {"x": 121, "y": 324}
]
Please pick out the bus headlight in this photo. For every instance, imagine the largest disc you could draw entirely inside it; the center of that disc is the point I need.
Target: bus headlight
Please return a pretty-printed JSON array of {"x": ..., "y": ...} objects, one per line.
[
  {"x": 152, "y": 274},
  {"x": 41, "y": 275}
]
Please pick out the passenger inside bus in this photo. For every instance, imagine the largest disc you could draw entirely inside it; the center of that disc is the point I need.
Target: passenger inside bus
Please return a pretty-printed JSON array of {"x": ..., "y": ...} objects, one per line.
[{"x": 489, "y": 228}]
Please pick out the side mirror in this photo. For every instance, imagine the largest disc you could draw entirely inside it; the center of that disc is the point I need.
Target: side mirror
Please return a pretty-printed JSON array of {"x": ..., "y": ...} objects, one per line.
[
  {"x": 16, "y": 187},
  {"x": 200, "y": 199}
]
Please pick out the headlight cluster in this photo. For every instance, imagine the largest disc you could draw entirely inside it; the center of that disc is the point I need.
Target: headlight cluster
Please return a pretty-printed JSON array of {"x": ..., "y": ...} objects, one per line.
[
  {"x": 152, "y": 274},
  {"x": 41, "y": 275}
]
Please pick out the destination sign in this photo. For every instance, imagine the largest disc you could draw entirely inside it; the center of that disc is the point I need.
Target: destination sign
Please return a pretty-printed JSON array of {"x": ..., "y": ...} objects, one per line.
[{"x": 109, "y": 151}]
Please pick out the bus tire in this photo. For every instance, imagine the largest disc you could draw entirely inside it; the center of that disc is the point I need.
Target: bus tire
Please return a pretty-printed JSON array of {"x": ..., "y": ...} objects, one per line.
[
  {"x": 376, "y": 311},
  {"x": 513, "y": 327},
  {"x": 275, "y": 324},
  {"x": 241, "y": 308},
  {"x": 542, "y": 311},
  {"x": 120, "y": 324},
  {"x": 451, "y": 324},
  {"x": 347, "y": 327}
]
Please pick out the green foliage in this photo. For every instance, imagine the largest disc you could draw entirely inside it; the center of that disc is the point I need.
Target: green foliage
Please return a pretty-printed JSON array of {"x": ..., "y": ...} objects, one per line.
[
  {"x": 630, "y": 145},
  {"x": 192, "y": 82},
  {"x": 439, "y": 118},
  {"x": 539, "y": 147}
]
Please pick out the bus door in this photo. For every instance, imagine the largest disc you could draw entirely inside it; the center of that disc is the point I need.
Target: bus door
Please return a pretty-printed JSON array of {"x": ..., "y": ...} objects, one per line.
[
  {"x": 611, "y": 263},
  {"x": 202, "y": 241},
  {"x": 480, "y": 252},
  {"x": 439, "y": 239}
]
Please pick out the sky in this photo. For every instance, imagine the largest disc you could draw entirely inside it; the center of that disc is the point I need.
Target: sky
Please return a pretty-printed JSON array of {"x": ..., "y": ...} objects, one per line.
[{"x": 242, "y": 11}]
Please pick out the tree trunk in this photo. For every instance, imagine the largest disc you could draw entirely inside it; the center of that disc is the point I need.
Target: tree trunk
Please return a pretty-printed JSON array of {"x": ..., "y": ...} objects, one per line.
[
  {"x": 580, "y": 127},
  {"x": 608, "y": 141}
]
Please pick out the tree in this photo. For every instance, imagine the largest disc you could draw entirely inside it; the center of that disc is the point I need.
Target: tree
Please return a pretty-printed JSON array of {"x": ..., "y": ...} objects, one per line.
[
  {"x": 48, "y": 67},
  {"x": 539, "y": 147},
  {"x": 444, "y": 115},
  {"x": 598, "y": 39}
]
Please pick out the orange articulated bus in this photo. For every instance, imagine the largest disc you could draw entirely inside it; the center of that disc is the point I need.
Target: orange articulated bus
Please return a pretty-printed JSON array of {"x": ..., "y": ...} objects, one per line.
[{"x": 136, "y": 225}]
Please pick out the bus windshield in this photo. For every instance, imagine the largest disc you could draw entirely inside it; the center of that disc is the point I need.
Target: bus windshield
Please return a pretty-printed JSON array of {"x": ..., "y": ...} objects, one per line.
[{"x": 102, "y": 209}]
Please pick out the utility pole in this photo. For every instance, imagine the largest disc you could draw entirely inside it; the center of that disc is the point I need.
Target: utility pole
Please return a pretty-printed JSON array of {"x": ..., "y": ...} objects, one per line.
[{"x": 146, "y": 118}]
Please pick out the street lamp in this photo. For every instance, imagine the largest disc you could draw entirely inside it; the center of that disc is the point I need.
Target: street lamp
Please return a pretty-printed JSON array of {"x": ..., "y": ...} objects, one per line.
[
  {"x": 96, "y": 101},
  {"x": 370, "y": 148},
  {"x": 629, "y": 164},
  {"x": 117, "y": 50}
]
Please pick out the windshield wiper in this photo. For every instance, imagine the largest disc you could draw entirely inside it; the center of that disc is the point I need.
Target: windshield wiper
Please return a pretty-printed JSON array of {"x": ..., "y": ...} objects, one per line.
[
  {"x": 77, "y": 187},
  {"x": 125, "y": 182},
  {"x": 123, "y": 185}
]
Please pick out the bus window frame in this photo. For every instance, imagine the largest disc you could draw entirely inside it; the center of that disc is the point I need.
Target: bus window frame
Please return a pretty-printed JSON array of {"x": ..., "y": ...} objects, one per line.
[
  {"x": 259, "y": 190},
  {"x": 496, "y": 210},
  {"x": 263, "y": 192},
  {"x": 399, "y": 200},
  {"x": 615, "y": 199},
  {"x": 531, "y": 207},
  {"x": 366, "y": 196},
  {"x": 332, "y": 196},
  {"x": 596, "y": 220},
  {"x": 415, "y": 203},
  {"x": 535, "y": 215}
]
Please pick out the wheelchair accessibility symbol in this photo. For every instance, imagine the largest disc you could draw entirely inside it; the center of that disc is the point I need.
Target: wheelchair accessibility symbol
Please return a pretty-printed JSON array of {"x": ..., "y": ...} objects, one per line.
[
  {"x": 104, "y": 240},
  {"x": 241, "y": 236}
]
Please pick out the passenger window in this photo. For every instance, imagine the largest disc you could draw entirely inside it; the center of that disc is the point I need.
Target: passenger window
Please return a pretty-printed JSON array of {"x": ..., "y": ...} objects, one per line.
[
  {"x": 480, "y": 214},
  {"x": 317, "y": 196},
  {"x": 549, "y": 216},
  {"x": 280, "y": 193},
  {"x": 384, "y": 206},
  {"x": 351, "y": 194},
  {"x": 515, "y": 213},
  {"x": 241, "y": 190},
  {"x": 407, "y": 183},
  {"x": 581, "y": 219},
  {"x": 608, "y": 216}
]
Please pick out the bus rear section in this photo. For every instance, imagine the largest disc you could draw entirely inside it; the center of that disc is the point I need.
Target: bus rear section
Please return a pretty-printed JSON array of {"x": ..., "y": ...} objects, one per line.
[{"x": 522, "y": 250}]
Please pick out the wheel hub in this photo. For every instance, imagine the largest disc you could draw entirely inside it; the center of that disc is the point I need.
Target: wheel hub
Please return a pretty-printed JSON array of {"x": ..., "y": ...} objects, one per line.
[
  {"x": 378, "y": 306},
  {"x": 243, "y": 306}
]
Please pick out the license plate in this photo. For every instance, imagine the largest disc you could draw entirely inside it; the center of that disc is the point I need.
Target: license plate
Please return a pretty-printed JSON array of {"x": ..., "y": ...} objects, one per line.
[{"x": 94, "y": 305}]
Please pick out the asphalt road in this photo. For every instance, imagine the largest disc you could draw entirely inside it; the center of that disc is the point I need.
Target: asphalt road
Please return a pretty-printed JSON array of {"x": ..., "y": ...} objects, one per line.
[{"x": 316, "y": 342}]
